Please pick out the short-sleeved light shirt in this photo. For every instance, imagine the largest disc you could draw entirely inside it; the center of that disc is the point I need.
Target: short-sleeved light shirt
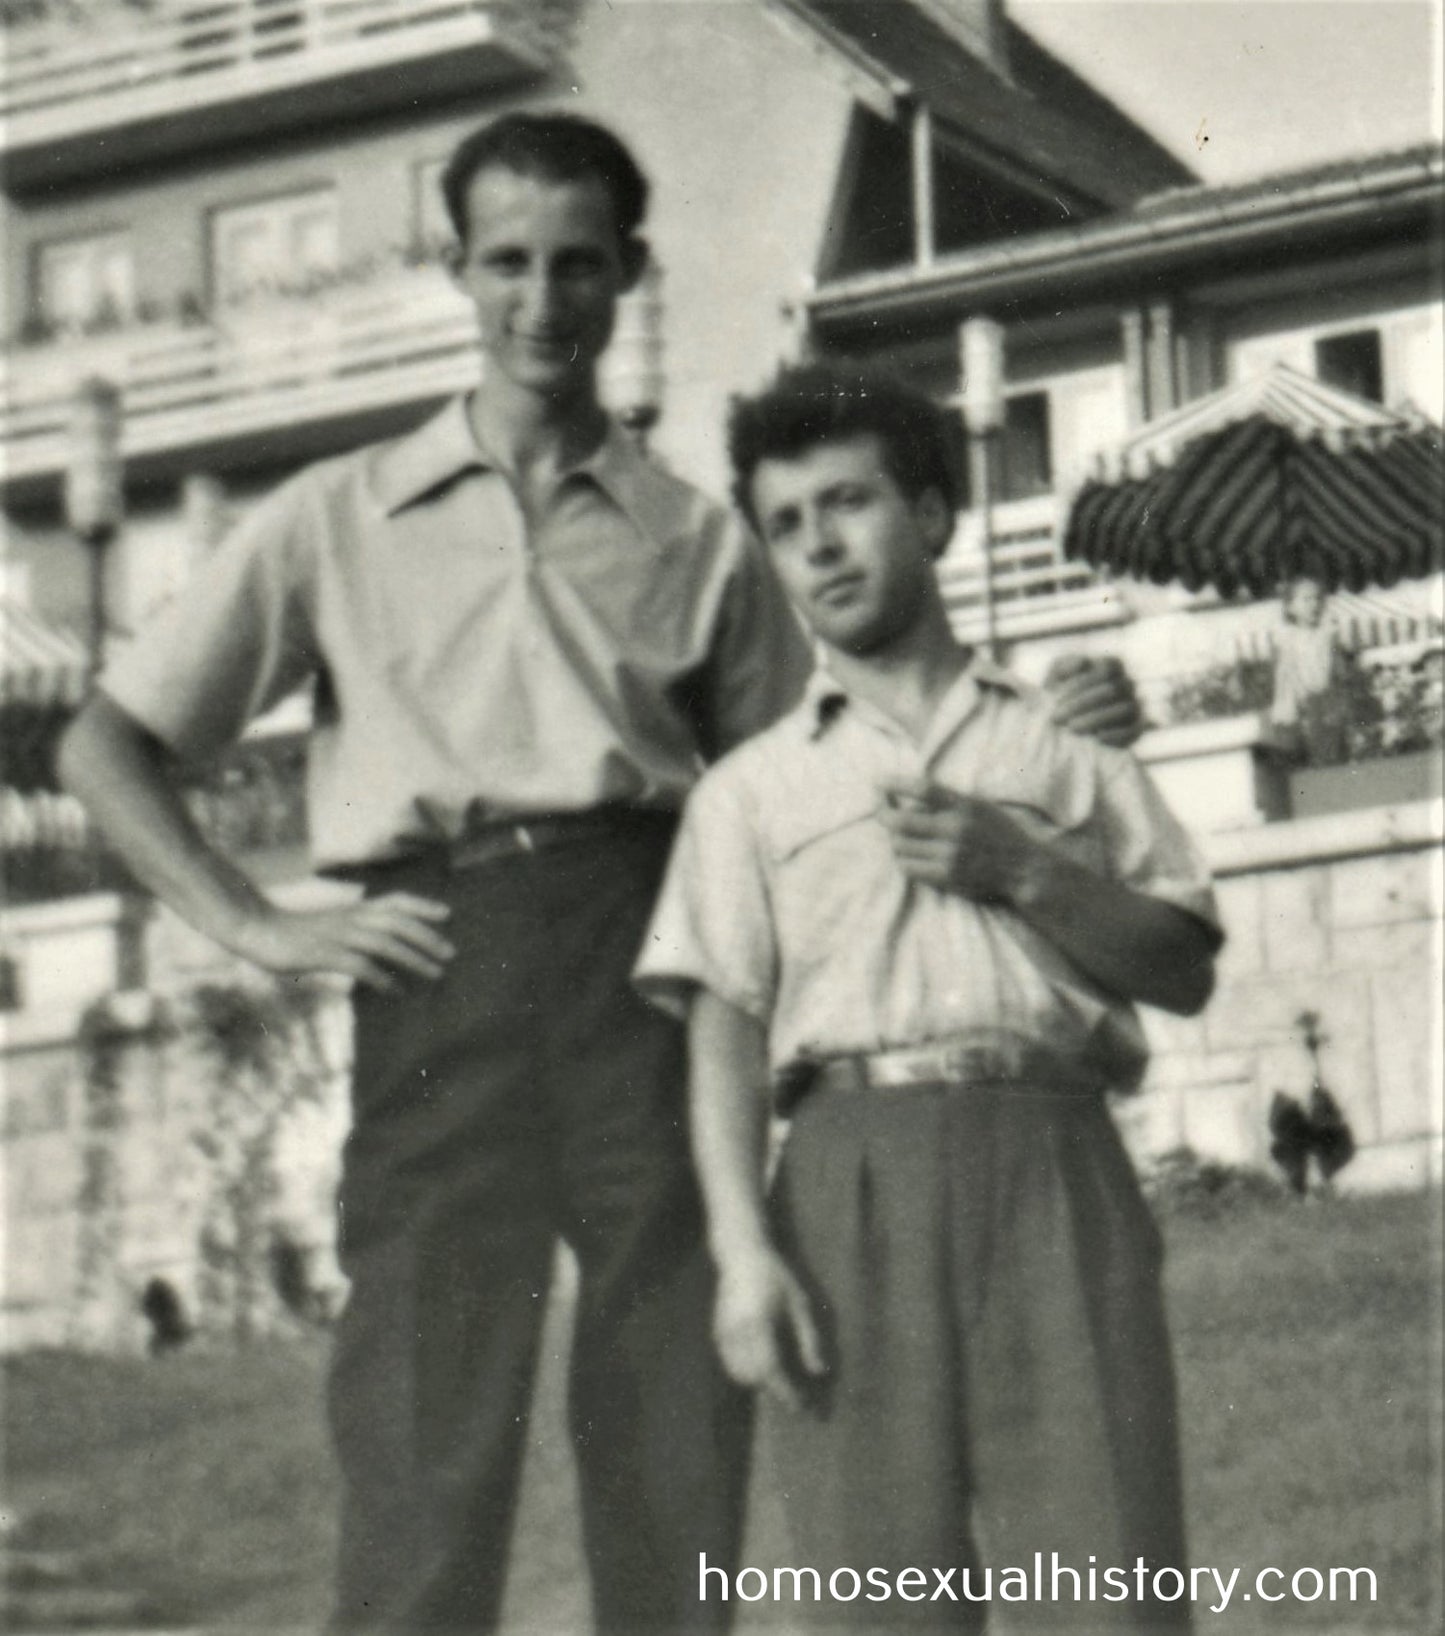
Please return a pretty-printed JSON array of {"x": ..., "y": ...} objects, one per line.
[
  {"x": 784, "y": 897},
  {"x": 471, "y": 662}
]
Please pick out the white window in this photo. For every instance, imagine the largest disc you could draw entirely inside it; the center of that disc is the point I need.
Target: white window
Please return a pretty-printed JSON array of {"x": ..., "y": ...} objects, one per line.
[
  {"x": 84, "y": 284},
  {"x": 275, "y": 247}
]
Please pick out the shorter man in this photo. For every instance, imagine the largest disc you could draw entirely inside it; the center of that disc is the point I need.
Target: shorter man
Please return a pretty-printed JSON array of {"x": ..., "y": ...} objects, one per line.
[{"x": 924, "y": 911}]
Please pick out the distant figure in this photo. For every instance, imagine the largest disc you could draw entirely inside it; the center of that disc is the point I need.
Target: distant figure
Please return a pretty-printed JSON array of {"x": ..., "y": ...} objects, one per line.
[
  {"x": 1309, "y": 707},
  {"x": 162, "y": 1309},
  {"x": 1298, "y": 1134}
]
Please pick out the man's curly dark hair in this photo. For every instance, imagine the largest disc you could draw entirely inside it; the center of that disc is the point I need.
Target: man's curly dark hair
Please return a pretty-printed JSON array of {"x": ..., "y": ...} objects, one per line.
[{"x": 829, "y": 402}]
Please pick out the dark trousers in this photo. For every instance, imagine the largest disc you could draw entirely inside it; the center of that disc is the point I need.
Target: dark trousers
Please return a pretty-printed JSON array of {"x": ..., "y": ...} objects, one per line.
[
  {"x": 987, "y": 1275},
  {"x": 525, "y": 1096}
]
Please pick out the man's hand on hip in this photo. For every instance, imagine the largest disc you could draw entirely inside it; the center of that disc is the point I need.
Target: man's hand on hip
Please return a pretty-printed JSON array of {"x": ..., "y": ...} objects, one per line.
[{"x": 371, "y": 942}]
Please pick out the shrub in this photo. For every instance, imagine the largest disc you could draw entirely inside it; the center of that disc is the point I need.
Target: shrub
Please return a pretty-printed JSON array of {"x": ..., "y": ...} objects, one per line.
[
  {"x": 1181, "y": 1183},
  {"x": 1231, "y": 689}
]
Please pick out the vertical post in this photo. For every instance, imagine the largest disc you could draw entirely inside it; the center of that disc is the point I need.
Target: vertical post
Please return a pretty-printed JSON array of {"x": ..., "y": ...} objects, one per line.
[
  {"x": 94, "y": 492},
  {"x": 633, "y": 373},
  {"x": 797, "y": 346},
  {"x": 981, "y": 356},
  {"x": 981, "y": 446},
  {"x": 921, "y": 142},
  {"x": 1136, "y": 377},
  {"x": 206, "y": 515},
  {"x": 1163, "y": 386},
  {"x": 95, "y": 640}
]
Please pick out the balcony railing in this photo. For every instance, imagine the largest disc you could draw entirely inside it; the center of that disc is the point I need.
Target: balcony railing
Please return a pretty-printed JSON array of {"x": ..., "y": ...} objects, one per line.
[
  {"x": 65, "y": 79},
  {"x": 400, "y": 339},
  {"x": 1033, "y": 588}
]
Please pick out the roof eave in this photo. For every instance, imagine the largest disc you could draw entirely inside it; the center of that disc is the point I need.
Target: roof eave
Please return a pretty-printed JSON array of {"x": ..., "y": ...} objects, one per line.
[{"x": 1136, "y": 243}]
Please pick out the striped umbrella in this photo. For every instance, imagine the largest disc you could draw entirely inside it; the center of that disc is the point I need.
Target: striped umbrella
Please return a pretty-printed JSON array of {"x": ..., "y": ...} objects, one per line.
[{"x": 1274, "y": 476}]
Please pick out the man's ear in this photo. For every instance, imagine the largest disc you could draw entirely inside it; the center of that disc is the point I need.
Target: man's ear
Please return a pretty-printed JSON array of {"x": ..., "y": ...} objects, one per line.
[
  {"x": 636, "y": 253},
  {"x": 454, "y": 259},
  {"x": 936, "y": 520}
]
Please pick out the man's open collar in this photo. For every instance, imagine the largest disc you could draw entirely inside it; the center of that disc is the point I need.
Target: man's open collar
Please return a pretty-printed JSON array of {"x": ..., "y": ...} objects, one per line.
[
  {"x": 825, "y": 698},
  {"x": 423, "y": 461},
  {"x": 445, "y": 446},
  {"x": 647, "y": 495}
]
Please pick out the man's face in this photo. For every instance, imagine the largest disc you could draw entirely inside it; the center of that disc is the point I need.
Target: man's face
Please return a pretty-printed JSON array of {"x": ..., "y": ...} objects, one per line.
[
  {"x": 544, "y": 267},
  {"x": 852, "y": 550}
]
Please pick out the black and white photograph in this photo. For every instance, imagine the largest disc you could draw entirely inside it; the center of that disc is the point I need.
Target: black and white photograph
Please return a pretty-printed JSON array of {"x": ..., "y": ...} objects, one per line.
[{"x": 721, "y": 872}]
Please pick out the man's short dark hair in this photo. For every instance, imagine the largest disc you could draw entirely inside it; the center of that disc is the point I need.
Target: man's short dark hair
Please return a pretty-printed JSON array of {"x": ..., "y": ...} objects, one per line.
[
  {"x": 553, "y": 148},
  {"x": 812, "y": 404}
]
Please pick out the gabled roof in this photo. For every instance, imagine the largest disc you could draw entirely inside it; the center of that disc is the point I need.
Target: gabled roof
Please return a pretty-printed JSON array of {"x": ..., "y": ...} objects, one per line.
[{"x": 1041, "y": 117}]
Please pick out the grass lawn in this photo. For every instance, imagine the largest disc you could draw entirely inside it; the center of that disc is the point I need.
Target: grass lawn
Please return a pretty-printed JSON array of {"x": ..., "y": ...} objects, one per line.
[{"x": 1308, "y": 1342}]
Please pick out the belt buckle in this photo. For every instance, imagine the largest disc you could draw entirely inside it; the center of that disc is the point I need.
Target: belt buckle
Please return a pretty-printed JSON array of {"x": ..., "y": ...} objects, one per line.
[
  {"x": 524, "y": 838},
  {"x": 971, "y": 1063}
]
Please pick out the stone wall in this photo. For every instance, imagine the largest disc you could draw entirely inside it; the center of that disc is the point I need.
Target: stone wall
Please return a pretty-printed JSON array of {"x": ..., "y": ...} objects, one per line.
[
  {"x": 1339, "y": 915},
  {"x": 168, "y": 1169},
  {"x": 95, "y": 1203}
]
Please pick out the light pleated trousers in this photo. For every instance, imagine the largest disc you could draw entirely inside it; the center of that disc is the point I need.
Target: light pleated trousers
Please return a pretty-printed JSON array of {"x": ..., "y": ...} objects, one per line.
[{"x": 987, "y": 1276}]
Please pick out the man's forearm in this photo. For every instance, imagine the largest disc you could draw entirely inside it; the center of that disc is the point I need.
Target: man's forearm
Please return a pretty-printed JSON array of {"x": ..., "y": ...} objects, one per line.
[
  {"x": 1135, "y": 945},
  {"x": 729, "y": 1114},
  {"x": 126, "y": 781}
]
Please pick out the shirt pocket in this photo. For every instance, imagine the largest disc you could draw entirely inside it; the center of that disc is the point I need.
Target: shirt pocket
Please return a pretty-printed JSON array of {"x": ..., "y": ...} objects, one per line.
[{"x": 827, "y": 814}]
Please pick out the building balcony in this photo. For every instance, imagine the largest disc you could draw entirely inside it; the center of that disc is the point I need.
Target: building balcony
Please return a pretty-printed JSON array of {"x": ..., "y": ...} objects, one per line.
[
  {"x": 320, "y": 371},
  {"x": 1031, "y": 588},
  {"x": 85, "y": 93}
]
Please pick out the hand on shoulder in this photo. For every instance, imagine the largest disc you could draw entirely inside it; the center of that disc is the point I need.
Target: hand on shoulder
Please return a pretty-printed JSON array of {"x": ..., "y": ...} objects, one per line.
[{"x": 1094, "y": 696}]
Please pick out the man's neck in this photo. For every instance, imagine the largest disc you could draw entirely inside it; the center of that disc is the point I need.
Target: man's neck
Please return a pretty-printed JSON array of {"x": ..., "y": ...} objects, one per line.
[
  {"x": 908, "y": 679},
  {"x": 533, "y": 433}
]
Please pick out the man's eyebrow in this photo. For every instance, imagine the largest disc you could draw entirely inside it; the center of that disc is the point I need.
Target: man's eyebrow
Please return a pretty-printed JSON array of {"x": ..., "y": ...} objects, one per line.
[{"x": 843, "y": 485}]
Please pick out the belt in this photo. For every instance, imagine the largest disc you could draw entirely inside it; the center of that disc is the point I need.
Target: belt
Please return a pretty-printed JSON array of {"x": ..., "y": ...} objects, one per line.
[
  {"x": 969, "y": 1061},
  {"x": 519, "y": 837},
  {"x": 545, "y": 832}
]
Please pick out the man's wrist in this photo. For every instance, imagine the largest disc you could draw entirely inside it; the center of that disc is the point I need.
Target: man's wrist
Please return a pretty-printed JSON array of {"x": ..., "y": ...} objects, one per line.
[
  {"x": 738, "y": 1249},
  {"x": 247, "y": 925}
]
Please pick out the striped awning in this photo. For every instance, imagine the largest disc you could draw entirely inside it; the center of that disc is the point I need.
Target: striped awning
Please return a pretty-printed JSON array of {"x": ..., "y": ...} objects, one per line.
[{"x": 1273, "y": 476}]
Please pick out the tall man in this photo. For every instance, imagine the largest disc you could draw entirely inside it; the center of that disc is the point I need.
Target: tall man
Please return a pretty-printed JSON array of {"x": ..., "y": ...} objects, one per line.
[{"x": 525, "y": 639}]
